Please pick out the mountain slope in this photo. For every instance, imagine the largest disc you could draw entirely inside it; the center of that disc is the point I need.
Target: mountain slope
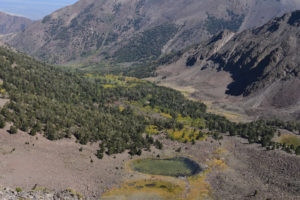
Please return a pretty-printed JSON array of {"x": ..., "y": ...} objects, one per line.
[
  {"x": 262, "y": 56},
  {"x": 44, "y": 99},
  {"x": 262, "y": 64},
  {"x": 128, "y": 31},
  {"x": 12, "y": 24}
]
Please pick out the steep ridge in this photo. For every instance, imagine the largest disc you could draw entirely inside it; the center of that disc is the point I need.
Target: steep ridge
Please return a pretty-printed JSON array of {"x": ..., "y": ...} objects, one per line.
[
  {"x": 259, "y": 57},
  {"x": 137, "y": 30},
  {"x": 259, "y": 66},
  {"x": 12, "y": 24}
]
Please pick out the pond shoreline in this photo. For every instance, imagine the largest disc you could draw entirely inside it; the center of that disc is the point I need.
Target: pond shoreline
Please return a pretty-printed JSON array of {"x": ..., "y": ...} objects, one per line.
[{"x": 178, "y": 166}]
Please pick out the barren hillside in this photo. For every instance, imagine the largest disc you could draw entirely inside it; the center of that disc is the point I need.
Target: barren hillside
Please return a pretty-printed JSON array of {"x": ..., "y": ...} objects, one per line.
[
  {"x": 257, "y": 68},
  {"x": 12, "y": 24},
  {"x": 138, "y": 30}
]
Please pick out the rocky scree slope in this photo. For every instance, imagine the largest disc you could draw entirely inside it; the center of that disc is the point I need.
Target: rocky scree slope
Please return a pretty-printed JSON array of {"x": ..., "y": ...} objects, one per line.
[
  {"x": 137, "y": 30},
  {"x": 10, "y": 194},
  {"x": 263, "y": 63},
  {"x": 260, "y": 57}
]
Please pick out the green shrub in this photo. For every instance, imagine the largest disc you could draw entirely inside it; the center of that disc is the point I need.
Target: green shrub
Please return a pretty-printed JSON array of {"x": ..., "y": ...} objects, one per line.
[
  {"x": 99, "y": 154},
  {"x": 297, "y": 151},
  {"x": 13, "y": 130},
  {"x": 2, "y": 122},
  {"x": 18, "y": 189}
]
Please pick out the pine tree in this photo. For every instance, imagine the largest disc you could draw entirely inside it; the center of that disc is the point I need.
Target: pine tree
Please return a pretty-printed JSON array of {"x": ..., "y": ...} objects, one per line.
[
  {"x": 2, "y": 122},
  {"x": 297, "y": 150},
  {"x": 13, "y": 130}
]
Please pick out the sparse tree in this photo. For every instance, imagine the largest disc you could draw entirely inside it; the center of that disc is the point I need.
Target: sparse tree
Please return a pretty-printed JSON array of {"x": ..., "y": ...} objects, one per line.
[{"x": 13, "y": 130}]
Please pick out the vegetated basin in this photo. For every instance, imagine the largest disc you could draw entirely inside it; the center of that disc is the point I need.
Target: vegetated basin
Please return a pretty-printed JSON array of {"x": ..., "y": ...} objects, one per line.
[{"x": 177, "y": 166}]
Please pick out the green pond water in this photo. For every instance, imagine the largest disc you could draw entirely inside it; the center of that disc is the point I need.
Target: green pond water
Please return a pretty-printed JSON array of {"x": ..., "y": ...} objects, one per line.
[{"x": 177, "y": 166}]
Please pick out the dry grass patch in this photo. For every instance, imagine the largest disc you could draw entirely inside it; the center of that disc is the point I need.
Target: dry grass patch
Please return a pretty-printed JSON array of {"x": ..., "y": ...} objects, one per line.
[
  {"x": 290, "y": 139},
  {"x": 150, "y": 187}
]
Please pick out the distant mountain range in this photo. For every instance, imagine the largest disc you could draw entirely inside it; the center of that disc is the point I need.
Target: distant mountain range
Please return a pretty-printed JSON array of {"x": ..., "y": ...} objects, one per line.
[
  {"x": 138, "y": 30},
  {"x": 12, "y": 24},
  {"x": 262, "y": 65}
]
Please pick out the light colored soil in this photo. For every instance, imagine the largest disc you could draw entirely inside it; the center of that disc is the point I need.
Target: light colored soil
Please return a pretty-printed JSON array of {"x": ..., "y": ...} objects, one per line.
[
  {"x": 3, "y": 102},
  {"x": 210, "y": 85},
  {"x": 56, "y": 165},
  {"x": 273, "y": 174},
  {"x": 236, "y": 169}
]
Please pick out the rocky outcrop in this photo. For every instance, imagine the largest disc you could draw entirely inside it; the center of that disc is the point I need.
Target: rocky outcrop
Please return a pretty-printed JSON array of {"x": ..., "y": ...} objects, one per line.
[
  {"x": 260, "y": 57},
  {"x": 38, "y": 194}
]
